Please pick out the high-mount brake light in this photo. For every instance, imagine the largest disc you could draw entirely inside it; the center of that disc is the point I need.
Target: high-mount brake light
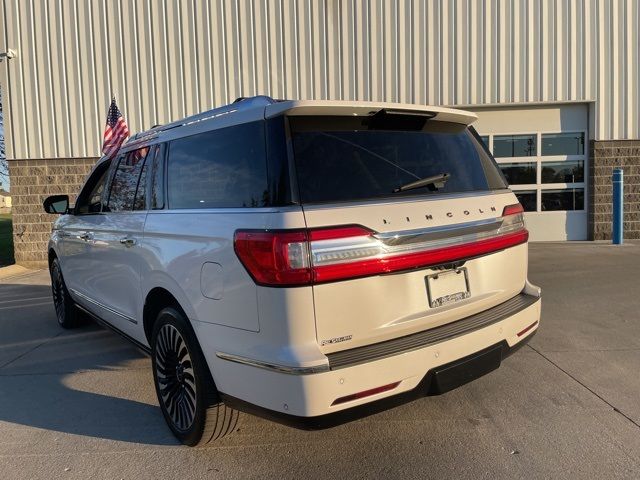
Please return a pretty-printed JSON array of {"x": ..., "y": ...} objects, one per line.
[{"x": 281, "y": 258}]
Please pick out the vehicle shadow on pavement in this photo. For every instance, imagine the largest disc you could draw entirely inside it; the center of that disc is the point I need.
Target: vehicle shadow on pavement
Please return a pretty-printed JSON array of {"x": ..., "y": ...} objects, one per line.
[{"x": 87, "y": 381}]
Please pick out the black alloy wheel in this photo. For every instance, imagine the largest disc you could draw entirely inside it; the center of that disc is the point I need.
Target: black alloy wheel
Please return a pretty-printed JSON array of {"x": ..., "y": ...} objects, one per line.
[
  {"x": 66, "y": 312},
  {"x": 176, "y": 380},
  {"x": 186, "y": 391}
]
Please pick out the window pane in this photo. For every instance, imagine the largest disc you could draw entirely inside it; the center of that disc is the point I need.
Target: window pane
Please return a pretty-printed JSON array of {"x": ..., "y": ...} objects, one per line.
[
  {"x": 140, "y": 202},
  {"x": 563, "y": 172},
  {"x": 519, "y": 173},
  {"x": 566, "y": 199},
  {"x": 90, "y": 199},
  {"x": 527, "y": 199},
  {"x": 514, "y": 145},
  {"x": 125, "y": 182},
  {"x": 157, "y": 184},
  {"x": 485, "y": 139},
  {"x": 220, "y": 168},
  {"x": 342, "y": 159},
  {"x": 563, "y": 144}
]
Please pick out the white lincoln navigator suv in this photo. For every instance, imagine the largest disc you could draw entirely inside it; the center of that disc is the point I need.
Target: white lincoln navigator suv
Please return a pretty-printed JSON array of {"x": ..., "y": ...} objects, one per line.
[{"x": 307, "y": 261}]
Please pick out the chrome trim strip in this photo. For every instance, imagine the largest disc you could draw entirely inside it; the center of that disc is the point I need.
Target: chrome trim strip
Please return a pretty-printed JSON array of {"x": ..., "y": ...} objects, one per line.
[
  {"x": 274, "y": 366},
  {"x": 101, "y": 305},
  {"x": 403, "y": 237}
]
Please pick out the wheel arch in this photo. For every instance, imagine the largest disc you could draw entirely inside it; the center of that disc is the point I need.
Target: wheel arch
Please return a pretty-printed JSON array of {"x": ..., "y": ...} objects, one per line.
[
  {"x": 51, "y": 256},
  {"x": 157, "y": 298},
  {"x": 159, "y": 291}
]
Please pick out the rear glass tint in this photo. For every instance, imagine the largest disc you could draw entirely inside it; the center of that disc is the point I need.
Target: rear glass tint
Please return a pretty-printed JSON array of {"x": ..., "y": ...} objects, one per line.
[
  {"x": 125, "y": 181},
  {"x": 222, "y": 168},
  {"x": 341, "y": 159}
]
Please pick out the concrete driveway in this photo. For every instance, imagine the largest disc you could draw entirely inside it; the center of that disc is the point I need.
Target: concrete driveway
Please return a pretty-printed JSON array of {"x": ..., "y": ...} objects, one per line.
[{"x": 81, "y": 404}]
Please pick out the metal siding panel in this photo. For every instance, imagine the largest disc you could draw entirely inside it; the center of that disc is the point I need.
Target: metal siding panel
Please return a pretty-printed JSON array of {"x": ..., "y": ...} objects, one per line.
[
  {"x": 132, "y": 59},
  {"x": 146, "y": 52},
  {"x": 189, "y": 58},
  {"x": 164, "y": 59},
  {"x": 42, "y": 59},
  {"x": 290, "y": 43},
  {"x": 92, "y": 112},
  {"x": 175, "y": 66},
  {"x": 30, "y": 79},
  {"x": 261, "y": 37},
  {"x": 101, "y": 71},
  {"x": 6, "y": 85},
  {"x": 633, "y": 63}
]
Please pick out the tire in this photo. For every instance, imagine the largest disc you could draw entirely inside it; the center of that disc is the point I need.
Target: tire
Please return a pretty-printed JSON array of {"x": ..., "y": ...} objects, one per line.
[
  {"x": 66, "y": 311},
  {"x": 186, "y": 392}
]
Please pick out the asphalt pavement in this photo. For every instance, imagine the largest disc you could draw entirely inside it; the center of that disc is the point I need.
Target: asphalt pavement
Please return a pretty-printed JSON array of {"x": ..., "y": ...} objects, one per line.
[{"x": 81, "y": 404}]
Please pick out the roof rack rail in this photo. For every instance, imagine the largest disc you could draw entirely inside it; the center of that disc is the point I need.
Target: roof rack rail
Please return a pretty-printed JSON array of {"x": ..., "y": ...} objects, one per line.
[{"x": 241, "y": 103}]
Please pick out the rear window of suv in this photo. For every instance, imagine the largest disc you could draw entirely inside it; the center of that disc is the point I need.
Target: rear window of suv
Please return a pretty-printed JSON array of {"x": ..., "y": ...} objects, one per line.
[{"x": 349, "y": 159}]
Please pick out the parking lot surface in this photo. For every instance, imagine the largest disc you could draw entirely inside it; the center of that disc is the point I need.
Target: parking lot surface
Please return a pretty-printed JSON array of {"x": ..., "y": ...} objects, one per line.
[{"x": 81, "y": 403}]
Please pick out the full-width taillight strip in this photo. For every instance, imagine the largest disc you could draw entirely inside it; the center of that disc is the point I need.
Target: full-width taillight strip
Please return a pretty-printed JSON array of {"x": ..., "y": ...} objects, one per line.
[{"x": 311, "y": 256}]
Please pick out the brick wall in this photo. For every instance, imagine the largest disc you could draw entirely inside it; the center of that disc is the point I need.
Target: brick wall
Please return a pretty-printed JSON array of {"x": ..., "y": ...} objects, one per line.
[
  {"x": 31, "y": 182},
  {"x": 605, "y": 156}
]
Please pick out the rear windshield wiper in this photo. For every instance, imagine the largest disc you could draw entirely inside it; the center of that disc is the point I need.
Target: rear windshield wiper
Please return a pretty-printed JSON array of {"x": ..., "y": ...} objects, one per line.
[{"x": 434, "y": 182}]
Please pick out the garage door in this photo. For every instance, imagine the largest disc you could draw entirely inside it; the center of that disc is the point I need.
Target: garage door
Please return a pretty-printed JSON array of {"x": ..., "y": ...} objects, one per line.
[{"x": 543, "y": 153}]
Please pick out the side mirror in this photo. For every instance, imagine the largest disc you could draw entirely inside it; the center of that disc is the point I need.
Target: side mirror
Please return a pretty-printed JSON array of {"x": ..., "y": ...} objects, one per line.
[{"x": 56, "y": 204}]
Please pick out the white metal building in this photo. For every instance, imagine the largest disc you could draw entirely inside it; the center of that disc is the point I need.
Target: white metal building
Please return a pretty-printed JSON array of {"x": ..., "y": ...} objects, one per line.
[{"x": 531, "y": 69}]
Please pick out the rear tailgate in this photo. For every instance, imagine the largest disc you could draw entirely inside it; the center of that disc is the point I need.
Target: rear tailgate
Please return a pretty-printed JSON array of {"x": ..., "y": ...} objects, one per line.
[
  {"x": 412, "y": 185},
  {"x": 355, "y": 312}
]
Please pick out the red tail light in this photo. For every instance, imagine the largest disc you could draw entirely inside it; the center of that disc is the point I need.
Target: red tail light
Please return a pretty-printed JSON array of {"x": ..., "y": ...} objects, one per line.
[
  {"x": 366, "y": 393},
  {"x": 311, "y": 256},
  {"x": 275, "y": 258}
]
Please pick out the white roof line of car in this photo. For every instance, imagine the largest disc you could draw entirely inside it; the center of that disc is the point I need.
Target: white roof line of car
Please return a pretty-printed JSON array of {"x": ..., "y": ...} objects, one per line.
[{"x": 335, "y": 107}]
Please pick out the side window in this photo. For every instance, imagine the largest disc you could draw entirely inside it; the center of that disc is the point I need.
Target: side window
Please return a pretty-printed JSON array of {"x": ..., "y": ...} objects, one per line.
[
  {"x": 125, "y": 182},
  {"x": 157, "y": 182},
  {"x": 218, "y": 169},
  {"x": 140, "y": 202},
  {"x": 91, "y": 196}
]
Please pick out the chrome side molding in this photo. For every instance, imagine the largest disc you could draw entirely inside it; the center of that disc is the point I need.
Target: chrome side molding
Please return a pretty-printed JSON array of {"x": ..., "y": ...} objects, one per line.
[
  {"x": 274, "y": 366},
  {"x": 103, "y": 306}
]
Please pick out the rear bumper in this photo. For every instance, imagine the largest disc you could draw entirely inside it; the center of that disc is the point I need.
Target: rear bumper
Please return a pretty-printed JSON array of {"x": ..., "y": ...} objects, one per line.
[
  {"x": 436, "y": 381},
  {"x": 428, "y": 368}
]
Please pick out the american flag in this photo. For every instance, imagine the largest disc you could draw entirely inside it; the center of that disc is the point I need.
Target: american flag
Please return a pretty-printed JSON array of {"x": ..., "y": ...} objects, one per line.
[{"x": 116, "y": 131}]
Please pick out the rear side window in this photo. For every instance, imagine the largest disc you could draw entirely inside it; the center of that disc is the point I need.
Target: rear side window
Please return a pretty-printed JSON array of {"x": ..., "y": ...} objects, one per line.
[
  {"x": 157, "y": 182},
  {"x": 140, "y": 202},
  {"x": 125, "y": 181},
  {"x": 348, "y": 159},
  {"x": 218, "y": 169}
]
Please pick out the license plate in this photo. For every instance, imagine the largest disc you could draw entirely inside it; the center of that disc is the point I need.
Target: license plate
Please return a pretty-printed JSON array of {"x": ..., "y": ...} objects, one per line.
[{"x": 447, "y": 287}]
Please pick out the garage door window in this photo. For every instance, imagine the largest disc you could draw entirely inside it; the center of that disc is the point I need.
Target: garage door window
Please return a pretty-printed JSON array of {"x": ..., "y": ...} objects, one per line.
[
  {"x": 546, "y": 170},
  {"x": 514, "y": 146},
  {"x": 567, "y": 199},
  {"x": 563, "y": 172},
  {"x": 519, "y": 173},
  {"x": 563, "y": 143}
]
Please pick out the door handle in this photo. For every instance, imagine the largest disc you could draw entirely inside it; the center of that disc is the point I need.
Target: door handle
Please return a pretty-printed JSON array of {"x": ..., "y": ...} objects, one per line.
[
  {"x": 86, "y": 236},
  {"x": 128, "y": 241}
]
